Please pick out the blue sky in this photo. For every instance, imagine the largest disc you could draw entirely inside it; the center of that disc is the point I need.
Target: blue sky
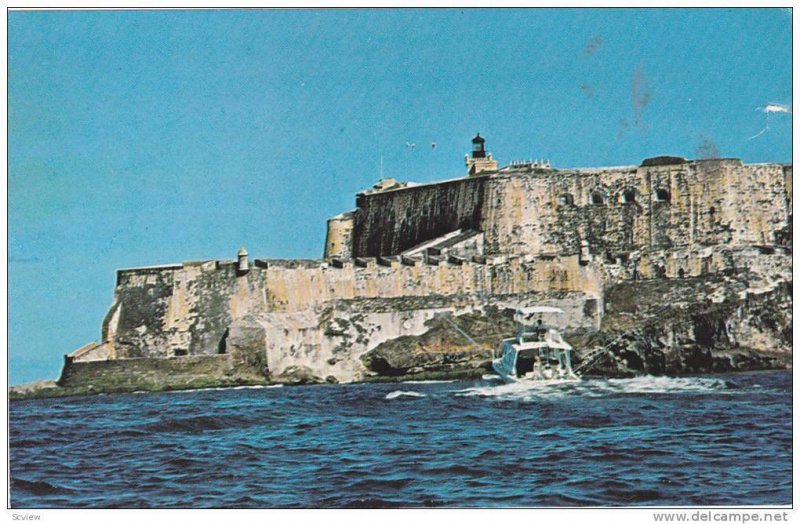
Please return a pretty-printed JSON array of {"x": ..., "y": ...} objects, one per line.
[{"x": 151, "y": 137}]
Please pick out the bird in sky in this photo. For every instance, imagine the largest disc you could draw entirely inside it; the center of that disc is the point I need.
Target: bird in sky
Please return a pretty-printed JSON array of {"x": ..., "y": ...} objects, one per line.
[
  {"x": 769, "y": 109},
  {"x": 775, "y": 108}
]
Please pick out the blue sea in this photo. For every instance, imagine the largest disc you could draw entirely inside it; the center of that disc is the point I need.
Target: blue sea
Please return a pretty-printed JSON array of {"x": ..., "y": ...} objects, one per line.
[{"x": 716, "y": 440}]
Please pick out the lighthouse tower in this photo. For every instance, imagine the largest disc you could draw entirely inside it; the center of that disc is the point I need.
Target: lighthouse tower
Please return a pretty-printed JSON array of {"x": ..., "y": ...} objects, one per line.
[{"x": 480, "y": 161}]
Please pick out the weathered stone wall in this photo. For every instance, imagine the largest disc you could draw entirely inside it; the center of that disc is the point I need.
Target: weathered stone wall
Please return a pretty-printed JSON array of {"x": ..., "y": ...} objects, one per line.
[
  {"x": 715, "y": 323},
  {"x": 291, "y": 288},
  {"x": 91, "y": 351},
  {"x": 700, "y": 261},
  {"x": 390, "y": 222},
  {"x": 164, "y": 312},
  {"x": 616, "y": 210},
  {"x": 313, "y": 314},
  {"x": 339, "y": 237},
  {"x": 787, "y": 181}
]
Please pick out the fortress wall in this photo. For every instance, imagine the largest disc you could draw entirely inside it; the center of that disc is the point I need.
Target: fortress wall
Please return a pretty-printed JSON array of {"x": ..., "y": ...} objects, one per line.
[
  {"x": 134, "y": 326},
  {"x": 787, "y": 182},
  {"x": 187, "y": 309},
  {"x": 389, "y": 222},
  {"x": 759, "y": 202},
  {"x": 302, "y": 306},
  {"x": 704, "y": 202},
  {"x": 297, "y": 289},
  {"x": 295, "y": 311},
  {"x": 697, "y": 203},
  {"x": 775, "y": 264},
  {"x": 311, "y": 314},
  {"x": 552, "y": 212}
]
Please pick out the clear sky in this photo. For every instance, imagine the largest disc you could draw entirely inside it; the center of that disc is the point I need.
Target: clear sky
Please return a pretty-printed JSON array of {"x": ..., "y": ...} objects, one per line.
[{"x": 140, "y": 137}]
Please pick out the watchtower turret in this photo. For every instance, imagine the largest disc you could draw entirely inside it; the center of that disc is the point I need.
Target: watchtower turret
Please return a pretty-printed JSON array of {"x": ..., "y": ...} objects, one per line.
[{"x": 242, "y": 264}]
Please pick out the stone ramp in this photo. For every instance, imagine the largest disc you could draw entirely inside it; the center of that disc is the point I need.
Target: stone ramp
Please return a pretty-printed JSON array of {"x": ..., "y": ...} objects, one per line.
[{"x": 459, "y": 242}]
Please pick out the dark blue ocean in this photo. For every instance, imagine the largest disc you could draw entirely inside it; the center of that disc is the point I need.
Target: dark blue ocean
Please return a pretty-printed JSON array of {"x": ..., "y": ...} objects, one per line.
[{"x": 720, "y": 440}]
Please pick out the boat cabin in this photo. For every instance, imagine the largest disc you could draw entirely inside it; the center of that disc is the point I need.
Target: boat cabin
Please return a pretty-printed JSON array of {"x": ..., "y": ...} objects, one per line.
[{"x": 537, "y": 351}]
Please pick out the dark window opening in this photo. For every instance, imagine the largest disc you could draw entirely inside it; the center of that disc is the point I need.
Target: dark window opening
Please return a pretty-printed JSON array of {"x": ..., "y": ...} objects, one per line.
[
  {"x": 598, "y": 199},
  {"x": 628, "y": 197},
  {"x": 681, "y": 273},
  {"x": 662, "y": 195},
  {"x": 566, "y": 200},
  {"x": 181, "y": 352},
  {"x": 222, "y": 348},
  {"x": 711, "y": 211}
]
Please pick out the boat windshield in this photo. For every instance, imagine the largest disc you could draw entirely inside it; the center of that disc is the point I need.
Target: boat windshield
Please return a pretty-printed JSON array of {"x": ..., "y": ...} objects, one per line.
[{"x": 532, "y": 333}]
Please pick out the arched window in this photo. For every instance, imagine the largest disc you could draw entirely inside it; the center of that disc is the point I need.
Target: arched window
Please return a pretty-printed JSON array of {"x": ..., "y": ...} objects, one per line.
[
  {"x": 629, "y": 196},
  {"x": 662, "y": 195},
  {"x": 681, "y": 273},
  {"x": 598, "y": 199},
  {"x": 566, "y": 200}
]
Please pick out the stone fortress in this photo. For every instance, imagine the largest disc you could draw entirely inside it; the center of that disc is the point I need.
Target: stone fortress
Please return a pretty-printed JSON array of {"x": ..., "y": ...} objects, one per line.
[{"x": 495, "y": 238}]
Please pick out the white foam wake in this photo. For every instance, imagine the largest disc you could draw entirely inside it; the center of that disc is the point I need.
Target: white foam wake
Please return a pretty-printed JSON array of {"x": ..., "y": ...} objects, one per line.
[
  {"x": 649, "y": 384},
  {"x": 519, "y": 390},
  {"x": 401, "y": 393},
  {"x": 597, "y": 387}
]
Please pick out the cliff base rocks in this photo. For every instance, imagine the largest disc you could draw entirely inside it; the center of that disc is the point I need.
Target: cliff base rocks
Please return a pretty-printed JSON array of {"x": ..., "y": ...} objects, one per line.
[{"x": 712, "y": 324}]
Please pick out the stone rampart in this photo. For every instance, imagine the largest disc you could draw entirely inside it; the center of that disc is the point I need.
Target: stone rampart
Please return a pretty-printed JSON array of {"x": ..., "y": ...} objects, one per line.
[
  {"x": 390, "y": 222},
  {"x": 323, "y": 315},
  {"x": 614, "y": 210}
]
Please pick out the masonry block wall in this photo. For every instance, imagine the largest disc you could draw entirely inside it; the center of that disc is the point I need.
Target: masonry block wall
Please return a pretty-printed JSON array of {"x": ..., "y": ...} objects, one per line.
[
  {"x": 192, "y": 309},
  {"x": 616, "y": 210},
  {"x": 390, "y": 222}
]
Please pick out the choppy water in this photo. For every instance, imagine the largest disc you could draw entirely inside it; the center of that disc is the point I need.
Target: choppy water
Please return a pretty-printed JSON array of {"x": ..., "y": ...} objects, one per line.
[{"x": 724, "y": 440}]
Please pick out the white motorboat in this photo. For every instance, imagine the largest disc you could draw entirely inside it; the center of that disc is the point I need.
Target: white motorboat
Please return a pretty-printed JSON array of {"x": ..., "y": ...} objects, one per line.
[{"x": 537, "y": 352}]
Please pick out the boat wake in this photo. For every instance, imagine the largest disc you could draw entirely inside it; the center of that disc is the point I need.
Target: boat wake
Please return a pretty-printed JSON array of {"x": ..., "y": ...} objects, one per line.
[
  {"x": 596, "y": 388},
  {"x": 405, "y": 394},
  {"x": 428, "y": 381}
]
